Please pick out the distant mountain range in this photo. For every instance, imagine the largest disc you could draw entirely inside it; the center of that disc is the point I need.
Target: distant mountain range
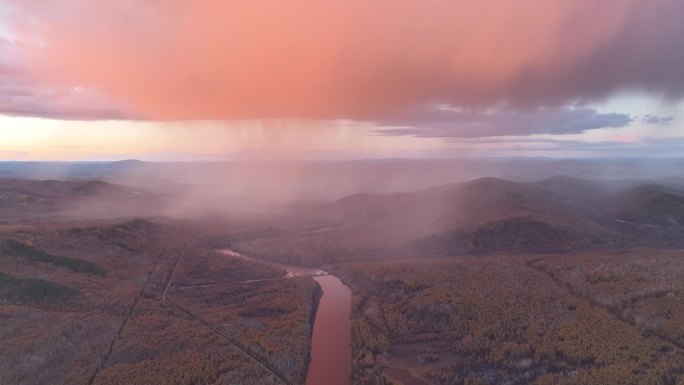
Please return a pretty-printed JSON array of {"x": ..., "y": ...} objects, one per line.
[
  {"x": 487, "y": 215},
  {"x": 377, "y": 209},
  {"x": 22, "y": 199},
  {"x": 285, "y": 181}
]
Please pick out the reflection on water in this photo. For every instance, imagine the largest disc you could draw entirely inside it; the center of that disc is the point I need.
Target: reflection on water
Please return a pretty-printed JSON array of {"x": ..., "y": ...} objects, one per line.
[
  {"x": 331, "y": 342},
  {"x": 331, "y": 350}
]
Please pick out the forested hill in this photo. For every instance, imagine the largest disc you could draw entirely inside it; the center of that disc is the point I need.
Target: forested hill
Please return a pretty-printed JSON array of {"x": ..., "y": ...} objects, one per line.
[{"x": 488, "y": 214}]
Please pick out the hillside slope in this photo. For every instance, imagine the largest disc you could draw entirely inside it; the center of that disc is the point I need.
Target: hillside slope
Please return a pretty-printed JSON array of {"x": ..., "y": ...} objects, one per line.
[{"x": 487, "y": 214}]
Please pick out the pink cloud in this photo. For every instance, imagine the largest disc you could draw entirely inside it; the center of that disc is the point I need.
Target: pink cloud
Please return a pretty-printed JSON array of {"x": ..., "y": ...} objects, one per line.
[{"x": 225, "y": 59}]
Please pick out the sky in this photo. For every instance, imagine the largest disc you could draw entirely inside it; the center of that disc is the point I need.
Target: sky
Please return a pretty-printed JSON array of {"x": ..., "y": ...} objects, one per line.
[{"x": 227, "y": 79}]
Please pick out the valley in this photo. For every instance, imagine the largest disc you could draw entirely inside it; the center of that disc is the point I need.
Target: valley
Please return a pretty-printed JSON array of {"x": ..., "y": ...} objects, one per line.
[
  {"x": 344, "y": 192},
  {"x": 557, "y": 281}
]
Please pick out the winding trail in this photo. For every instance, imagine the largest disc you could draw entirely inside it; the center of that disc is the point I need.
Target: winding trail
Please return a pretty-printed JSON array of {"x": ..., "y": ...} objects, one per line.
[
  {"x": 230, "y": 283},
  {"x": 233, "y": 342},
  {"x": 331, "y": 336},
  {"x": 532, "y": 264},
  {"x": 331, "y": 332},
  {"x": 131, "y": 310}
]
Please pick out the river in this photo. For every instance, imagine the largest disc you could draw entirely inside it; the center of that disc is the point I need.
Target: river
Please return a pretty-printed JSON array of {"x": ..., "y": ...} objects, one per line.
[{"x": 331, "y": 340}]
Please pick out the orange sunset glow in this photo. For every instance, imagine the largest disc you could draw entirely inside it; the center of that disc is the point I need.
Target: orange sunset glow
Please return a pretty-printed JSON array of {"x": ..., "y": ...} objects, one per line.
[
  {"x": 341, "y": 192},
  {"x": 579, "y": 71}
]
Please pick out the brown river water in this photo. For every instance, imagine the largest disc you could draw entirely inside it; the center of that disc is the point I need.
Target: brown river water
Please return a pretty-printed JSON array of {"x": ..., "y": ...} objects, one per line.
[{"x": 331, "y": 342}]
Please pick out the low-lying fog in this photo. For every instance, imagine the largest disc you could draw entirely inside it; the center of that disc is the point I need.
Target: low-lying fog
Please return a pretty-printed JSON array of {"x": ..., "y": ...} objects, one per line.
[{"x": 271, "y": 186}]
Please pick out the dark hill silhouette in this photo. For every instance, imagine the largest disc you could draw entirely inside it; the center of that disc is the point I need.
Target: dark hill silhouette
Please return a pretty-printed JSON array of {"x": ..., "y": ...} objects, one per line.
[
  {"x": 652, "y": 205},
  {"x": 43, "y": 199},
  {"x": 61, "y": 189},
  {"x": 487, "y": 214}
]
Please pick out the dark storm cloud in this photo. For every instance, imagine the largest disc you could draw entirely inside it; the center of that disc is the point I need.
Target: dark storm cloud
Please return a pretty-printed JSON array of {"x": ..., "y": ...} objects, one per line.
[
  {"x": 657, "y": 120},
  {"x": 445, "y": 122}
]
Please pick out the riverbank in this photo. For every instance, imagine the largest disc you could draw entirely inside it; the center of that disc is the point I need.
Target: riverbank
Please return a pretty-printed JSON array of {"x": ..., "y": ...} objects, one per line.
[{"x": 330, "y": 354}]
